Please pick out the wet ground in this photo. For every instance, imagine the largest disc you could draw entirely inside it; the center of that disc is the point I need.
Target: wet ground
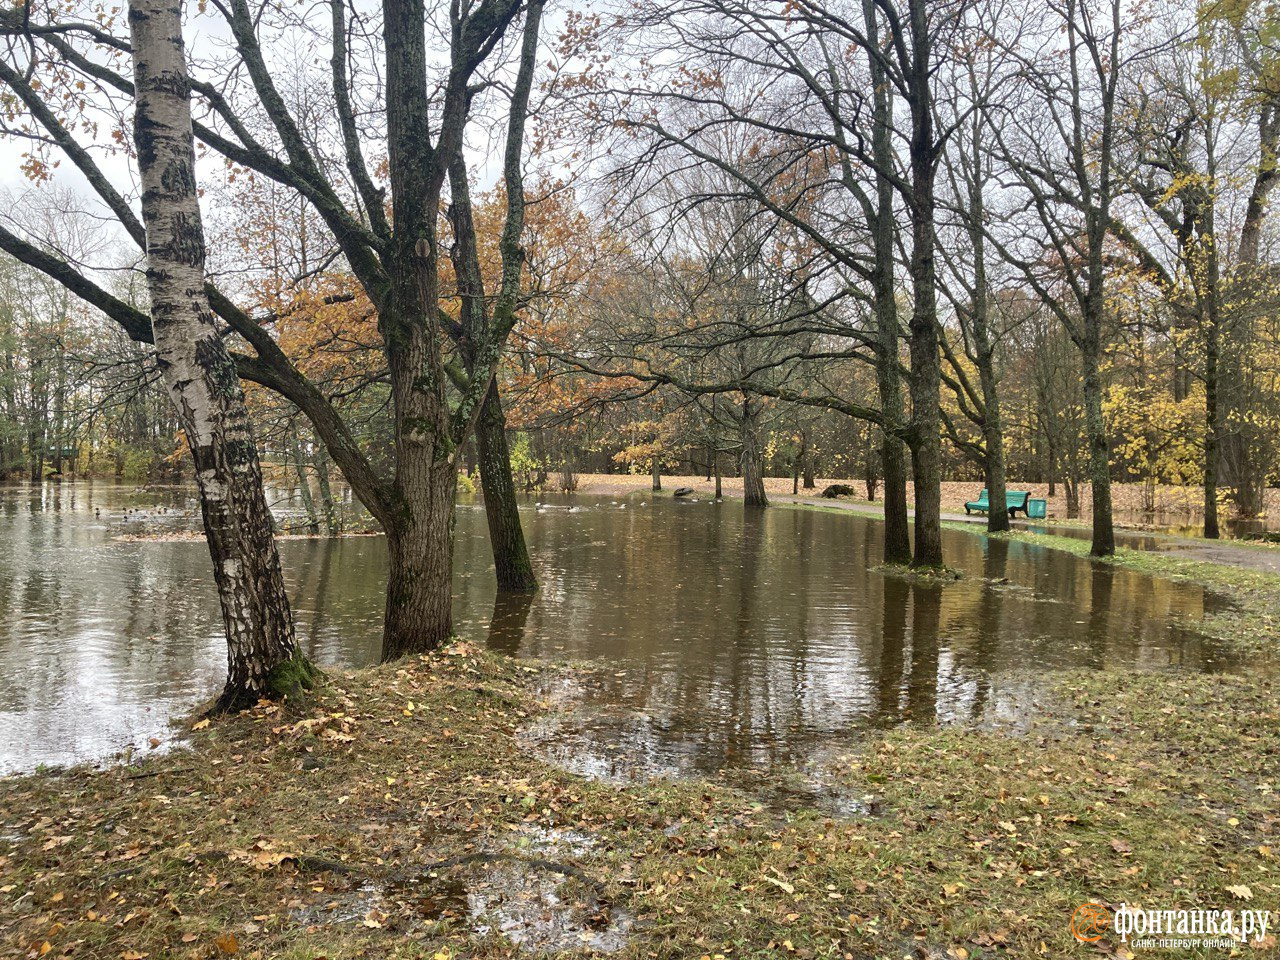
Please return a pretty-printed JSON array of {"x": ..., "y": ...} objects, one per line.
[
  {"x": 723, "y": 640},
  {"x": 1246, "y": 543}
]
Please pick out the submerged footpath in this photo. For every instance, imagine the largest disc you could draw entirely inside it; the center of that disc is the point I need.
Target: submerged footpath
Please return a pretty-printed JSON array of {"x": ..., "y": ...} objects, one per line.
[{"x": 402, "y": 812}]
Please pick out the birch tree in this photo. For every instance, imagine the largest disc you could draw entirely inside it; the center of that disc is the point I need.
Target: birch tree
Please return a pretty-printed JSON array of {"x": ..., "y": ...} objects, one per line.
[
  {"x": 262, "y": 658},
  {"x": 388, "y": 234}
]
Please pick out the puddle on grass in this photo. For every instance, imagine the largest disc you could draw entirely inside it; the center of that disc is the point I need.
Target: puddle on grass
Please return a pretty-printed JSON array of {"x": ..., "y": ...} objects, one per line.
[
  {"x": 608, "y": 745},
  {"x": 533, "y": 904},
  {"x": 795, "y": 792},
  {"x": 588, "y": 735},
  {"x": 342, "y": 906},
  {"x": 529, "y": 904},
  {"x": 555, "y": 841}
]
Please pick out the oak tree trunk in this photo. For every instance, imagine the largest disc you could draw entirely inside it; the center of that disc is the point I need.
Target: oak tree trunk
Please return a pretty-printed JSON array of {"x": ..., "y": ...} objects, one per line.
[
  {"x": 419, "y": 612},
  {"x": 332, "y": 514},
  {"x": 1211, "y": 430},
  {"x": 1104, "y": 537},
  {"x": 993, "y": 438},
  {"x": 926, "y": 372},
  {"x": 304, "y": 483},
  {"x": 753, "y": 493},
  {"x": 893, "y": 463},
  {"x": 983, "y": 345},
  {"x": 511, "y": 560}
]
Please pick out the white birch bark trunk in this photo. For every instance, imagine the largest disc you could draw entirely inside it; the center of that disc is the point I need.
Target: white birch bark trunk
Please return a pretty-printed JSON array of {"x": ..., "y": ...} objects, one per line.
[{"x": 199, "y": 372}]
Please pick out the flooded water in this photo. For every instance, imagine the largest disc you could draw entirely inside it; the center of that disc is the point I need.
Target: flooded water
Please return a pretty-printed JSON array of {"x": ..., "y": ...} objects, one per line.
[{"x": 731, "y": 640}]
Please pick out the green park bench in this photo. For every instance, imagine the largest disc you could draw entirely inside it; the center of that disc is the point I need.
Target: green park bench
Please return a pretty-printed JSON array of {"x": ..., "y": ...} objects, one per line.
[{"x": 1015, "y": 500}]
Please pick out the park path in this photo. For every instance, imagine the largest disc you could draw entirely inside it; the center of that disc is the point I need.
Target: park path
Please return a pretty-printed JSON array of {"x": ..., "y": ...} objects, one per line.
[{"x": 1248, "y": 557}]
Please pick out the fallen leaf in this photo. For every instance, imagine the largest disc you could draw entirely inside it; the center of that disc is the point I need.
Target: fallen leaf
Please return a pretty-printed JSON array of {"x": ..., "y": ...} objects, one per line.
[
  {"x": 261, "y": 859},
  {"x": 781, "y": 884},
  {"x": 227, "y": 943}
]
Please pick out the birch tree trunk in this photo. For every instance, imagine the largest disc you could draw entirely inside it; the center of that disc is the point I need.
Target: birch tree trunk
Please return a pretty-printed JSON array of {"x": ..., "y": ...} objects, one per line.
[{"x": 200, "y": 375}]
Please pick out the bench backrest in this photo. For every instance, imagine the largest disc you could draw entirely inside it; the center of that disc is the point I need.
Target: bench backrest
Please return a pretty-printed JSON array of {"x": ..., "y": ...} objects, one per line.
[{"x": 1019, "y": 497}]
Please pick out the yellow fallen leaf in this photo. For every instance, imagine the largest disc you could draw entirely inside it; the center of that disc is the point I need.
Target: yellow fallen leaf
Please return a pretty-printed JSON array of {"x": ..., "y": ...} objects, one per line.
[
  {"x": 1241, "y": 892},
  {"x": 227, "y": 943},
  {"x": 780, "y": 884}
]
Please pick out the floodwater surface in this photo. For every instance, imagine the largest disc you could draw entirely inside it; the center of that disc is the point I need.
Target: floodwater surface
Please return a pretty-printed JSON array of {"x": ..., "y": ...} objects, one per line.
[{"x": 732, "y": 639}]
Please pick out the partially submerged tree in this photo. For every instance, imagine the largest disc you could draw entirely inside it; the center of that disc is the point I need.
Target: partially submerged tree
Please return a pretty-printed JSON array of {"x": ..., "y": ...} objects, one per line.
[
  {"x": 1058, "y": 141},
  {"x": 439, "y": 369},
  {"x": 201, "y": 375}
]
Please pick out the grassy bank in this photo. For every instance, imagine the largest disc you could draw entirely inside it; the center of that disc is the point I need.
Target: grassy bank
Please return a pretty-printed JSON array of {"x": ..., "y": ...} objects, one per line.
[{"x": 403, "y": 800}]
